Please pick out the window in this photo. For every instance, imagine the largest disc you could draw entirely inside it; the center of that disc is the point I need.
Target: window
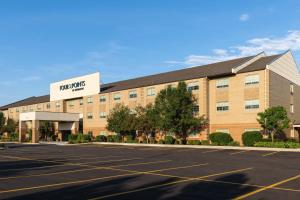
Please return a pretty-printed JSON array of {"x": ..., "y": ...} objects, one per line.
[
  {"x": 132, "y": 94},
  {"x": 89, "y": 115},
  {"x": 252, "y": 80},
  {"x": 71, "y": 103},
  {"x": 38, "y": 107},
  {"x": 222, "y": 83},
  {"x": 102, "y": 99},
  {"x": 251, "y": 129},
  {"x": 57, "y": 104},
  {"x": 102, "y": 114},
  {"x": 17, "y": 110},
  {"x": 103, "y": 133},
  {"x": 23, "y": 109},
  {"x": 48, "y": 106},
  {"x": 90, "y": 100},
  {"x": 117, "y": 97},
  {"x": 292, "y": 108},
  {"x": 30, "y": 108},
  {"x": 196, "y": 110},
  {"x": 223, "y": 130},
  {"x": 151, "y": 91},
  {"x": 292, "y": 88},
  {"x": 81, "y": 102},
  {"x": 251, "y": 104},
  {"x": 222, "y": 106},
  {"x": 193, "y": 86}
]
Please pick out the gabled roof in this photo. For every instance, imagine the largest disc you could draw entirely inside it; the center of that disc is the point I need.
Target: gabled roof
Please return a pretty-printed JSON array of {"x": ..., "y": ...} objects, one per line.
[{"x": 210, "y": 70}]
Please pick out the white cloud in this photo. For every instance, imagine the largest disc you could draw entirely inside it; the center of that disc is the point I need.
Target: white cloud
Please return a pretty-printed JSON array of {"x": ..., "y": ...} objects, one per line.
[
  {"x": 31, "y": 78},
  {"x": 244, "y": 17},
  {"x": 270, "y": 45}
]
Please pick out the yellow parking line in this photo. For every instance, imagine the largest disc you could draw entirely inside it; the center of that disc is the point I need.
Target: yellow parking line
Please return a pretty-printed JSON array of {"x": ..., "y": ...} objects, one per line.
[
  {"x": 90, "y": 180},
  {"x": 268, "y": 154},
  {"x": 239, "y": 152},
  {"x": 170, "y": 183},
  {"x": 81, "y": 170},
  {"x": 267, "y": 187},
  {"x": 212, "y": 150}
]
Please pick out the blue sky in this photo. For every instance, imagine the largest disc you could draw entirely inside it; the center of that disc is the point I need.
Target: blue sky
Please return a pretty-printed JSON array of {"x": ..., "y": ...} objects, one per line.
[{"x": 50, "y": 40}]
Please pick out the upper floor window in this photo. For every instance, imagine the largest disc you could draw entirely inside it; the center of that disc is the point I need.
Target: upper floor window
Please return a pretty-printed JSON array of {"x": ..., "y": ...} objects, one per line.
[
  {"x": 222, "y": 106},
  {"x": 193, "y": 86},
  {"x": 222, "y": 83},
  {"x": 24, "y": 109},
  {"x": 151, "y": 91},
  {"x": 30, "y": 108},
  {"x": 252, "y": 80},
  {"x": 38, "y": 107},
  {"x": 57, "y": 105},
  {"x": 71, "y": 103},
  {"x": 102, "y": 99},
  {"x": 17, "y": 109},
  {"x": 81, "y": 102},
  {"x": 102, "y": 114},
  {"x": 132, "y": 94},
  {"x": 251, "y": 104},
  {"x": 89, "y": 115},
  {"x": 48, "y": 106},
  {"x": 117, "y": 96},
  {"x": 90, "y": 99}
]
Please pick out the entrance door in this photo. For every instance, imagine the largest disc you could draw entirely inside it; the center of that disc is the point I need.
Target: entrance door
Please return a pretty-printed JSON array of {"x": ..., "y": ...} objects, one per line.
[{"x": 65, "y": 134}]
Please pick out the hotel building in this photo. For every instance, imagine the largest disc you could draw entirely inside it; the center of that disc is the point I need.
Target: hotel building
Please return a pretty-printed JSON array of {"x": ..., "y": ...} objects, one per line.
[{"x": 228, "y": 93}]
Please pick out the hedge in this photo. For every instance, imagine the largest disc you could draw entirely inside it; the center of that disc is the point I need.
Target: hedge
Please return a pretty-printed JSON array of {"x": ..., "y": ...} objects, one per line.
[
  {"x": 79, "y": 138},
  {"x": 220, "y": 138},
  {"x": 169, "y": 140},
  {"x": 251, "y": 137},
  {"x": 194, "y": 142},
  {"x": 101, "y": 138},
  {"x": 278, "y": 144},
  {"x": 114, "y": 138}
]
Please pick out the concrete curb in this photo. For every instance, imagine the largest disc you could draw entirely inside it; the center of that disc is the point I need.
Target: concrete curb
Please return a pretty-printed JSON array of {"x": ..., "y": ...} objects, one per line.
[{"x": 200, "y": 147}]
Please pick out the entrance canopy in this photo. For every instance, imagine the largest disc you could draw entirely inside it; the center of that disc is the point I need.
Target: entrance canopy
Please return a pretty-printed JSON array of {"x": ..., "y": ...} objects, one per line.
[
  {"x": 66, "y": 121},
  {"x": 50, "y": 116}
]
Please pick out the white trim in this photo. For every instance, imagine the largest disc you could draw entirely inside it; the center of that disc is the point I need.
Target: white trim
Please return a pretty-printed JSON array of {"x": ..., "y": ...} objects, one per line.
[{"x": 255, "y": 58}]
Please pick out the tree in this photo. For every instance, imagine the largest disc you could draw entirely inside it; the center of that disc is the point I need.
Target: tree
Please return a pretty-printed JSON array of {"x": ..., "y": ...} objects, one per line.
[
  {"x": 146, "y": 120},
  {"x": 10, "y": 126},
  {"x": 121, "y": 120},
  {"x": 176, "y": 111},
  {"x": 2, "y": 122},
  {"x": 273, "y": 120},
  {"x": 47, "y": 130}
]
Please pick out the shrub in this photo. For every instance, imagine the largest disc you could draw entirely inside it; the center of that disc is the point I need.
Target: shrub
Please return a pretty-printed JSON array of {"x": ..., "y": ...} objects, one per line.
[
  {"x": 278, "y": 144},
  {"x": 194, "y": 142},
  {"x": 205, "y": 142},
  {"x": 83, "y": 138},
  {"x": 169, "y": 140},
  {"x": 110, "y": 138},
  {"x": 72, "y": 138},
  {"x": 219, "y": 138},
  {"x": 117, "y": 138},
  {"x": 101, "y": 138},
  {"x": 129, "y": 137},
  {"x": 251, "y": 137},
  {"x": 13, "y": 137},
  {"x": 161, "y": 142},
  {"x": 233, "y": 143}
]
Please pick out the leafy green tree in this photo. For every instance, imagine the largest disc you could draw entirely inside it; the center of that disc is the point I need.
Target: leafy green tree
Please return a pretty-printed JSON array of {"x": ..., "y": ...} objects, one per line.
[
  {"x": 121, "y": 120},
  {"x": 10, "y": 126},
  {"x": 47, "y": 130},
  {"x": 274, "y": 120},
  {"x": 147, "y": 120},
  {"x": 2, "y": 122},
  {"x": 176, "y": 111}
]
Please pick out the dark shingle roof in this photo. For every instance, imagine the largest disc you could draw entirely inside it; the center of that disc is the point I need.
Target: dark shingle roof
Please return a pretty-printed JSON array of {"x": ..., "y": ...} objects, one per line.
[
  {"x": 260, "y": 64},
  {"x": 211, "y": 70}
]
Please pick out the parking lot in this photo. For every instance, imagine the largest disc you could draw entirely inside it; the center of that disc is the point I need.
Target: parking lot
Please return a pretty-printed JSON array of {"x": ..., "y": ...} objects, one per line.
[{"x": 127, "y": 172}]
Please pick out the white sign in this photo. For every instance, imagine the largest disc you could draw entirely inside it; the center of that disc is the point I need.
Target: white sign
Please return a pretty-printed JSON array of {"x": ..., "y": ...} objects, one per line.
[{"x": 75, "y": 87}]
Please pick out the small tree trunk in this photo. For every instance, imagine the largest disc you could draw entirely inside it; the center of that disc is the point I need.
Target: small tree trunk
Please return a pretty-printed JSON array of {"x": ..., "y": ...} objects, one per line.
[{"x": 272, "y": 136}]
